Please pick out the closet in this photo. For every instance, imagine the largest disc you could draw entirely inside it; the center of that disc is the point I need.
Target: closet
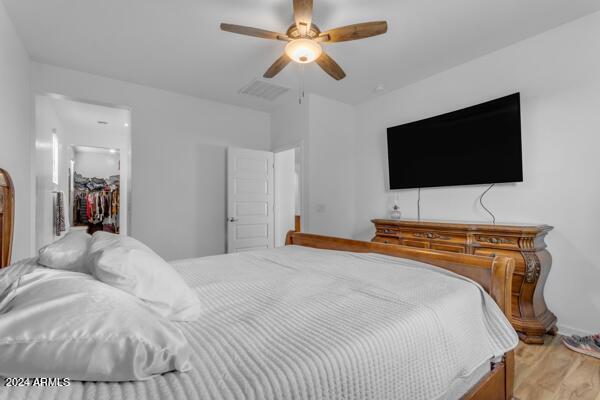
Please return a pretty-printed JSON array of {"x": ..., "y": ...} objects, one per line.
[
  {"x": 96, "y": 203},
  {"x": 95, "y": 189}
]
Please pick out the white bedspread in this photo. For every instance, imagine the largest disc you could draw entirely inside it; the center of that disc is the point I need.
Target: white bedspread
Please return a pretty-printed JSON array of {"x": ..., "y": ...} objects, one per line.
[{"x": 300, "y": 323}]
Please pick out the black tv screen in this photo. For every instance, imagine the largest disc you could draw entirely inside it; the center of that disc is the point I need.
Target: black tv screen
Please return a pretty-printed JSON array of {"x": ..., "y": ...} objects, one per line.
[{"x": 476, "y": 145}]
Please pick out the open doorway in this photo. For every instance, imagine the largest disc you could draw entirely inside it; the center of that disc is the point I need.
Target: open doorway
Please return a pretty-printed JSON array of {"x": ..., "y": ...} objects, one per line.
[
  {"x": 264, "y": 197},
  {"x": 95, "y": 189},
  {"x": 82, "y": 152},
  {"x": 288, "y": 193}
]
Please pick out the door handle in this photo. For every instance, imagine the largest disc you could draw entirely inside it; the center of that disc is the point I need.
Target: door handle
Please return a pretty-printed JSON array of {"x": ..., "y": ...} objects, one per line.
[{"x": 232, "y": 219}]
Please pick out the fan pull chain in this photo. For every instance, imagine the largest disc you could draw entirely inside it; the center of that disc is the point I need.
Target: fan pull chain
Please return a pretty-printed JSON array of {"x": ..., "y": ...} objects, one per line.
[{"x": 301, "y": 83}]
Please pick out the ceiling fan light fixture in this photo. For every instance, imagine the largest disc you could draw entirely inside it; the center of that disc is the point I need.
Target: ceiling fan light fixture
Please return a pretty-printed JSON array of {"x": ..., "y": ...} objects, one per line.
[
  {"x": 303, "y": 51},
  {"x": 305, "y": 38}
]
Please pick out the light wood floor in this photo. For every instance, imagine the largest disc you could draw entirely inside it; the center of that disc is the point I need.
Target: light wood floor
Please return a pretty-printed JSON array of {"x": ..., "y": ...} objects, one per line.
[{"x": 553, "y": 372}]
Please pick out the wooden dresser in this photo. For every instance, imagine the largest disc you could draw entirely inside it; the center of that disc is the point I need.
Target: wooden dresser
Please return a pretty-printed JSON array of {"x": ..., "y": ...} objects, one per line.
[{"x": 524, "y": 243}]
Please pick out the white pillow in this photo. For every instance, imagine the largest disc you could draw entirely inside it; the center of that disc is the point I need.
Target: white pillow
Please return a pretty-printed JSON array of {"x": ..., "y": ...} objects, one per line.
[
  {"x": 127, "y": 264},
  {"x": 69, "y": 252},
  {"x": 69, "y": 325}
]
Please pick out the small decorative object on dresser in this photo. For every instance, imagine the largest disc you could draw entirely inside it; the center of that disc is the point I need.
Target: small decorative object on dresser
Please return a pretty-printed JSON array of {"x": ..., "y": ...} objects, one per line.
[
  {"x": 395, "y": 213},
  {"x": 524, "y": 243}
]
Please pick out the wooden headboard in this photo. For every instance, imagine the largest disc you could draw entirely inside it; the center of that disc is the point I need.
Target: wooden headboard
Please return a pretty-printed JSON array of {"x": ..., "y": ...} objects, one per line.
[{"x": 7, "y": 216}]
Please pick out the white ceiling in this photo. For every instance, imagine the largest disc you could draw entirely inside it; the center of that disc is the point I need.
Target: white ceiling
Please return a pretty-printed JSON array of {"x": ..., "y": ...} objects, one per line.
[
  {"x": 80, "y": 128},
  {"x": 83, "y": 118},
  {"x": 177, "y": 45}
]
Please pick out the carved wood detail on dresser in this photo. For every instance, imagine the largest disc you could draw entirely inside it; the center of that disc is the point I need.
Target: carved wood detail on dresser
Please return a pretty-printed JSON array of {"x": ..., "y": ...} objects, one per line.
[{"x": 524, "y": 243}]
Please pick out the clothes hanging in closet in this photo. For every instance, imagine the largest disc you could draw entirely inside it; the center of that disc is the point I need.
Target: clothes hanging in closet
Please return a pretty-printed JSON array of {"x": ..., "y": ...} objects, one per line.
[{"x": 96, "y": 203}]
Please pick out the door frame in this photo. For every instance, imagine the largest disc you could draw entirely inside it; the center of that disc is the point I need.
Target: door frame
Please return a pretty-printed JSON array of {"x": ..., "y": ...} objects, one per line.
[
  {"x": 303, "y": 178},
  {"x": 33, "y": 163}
]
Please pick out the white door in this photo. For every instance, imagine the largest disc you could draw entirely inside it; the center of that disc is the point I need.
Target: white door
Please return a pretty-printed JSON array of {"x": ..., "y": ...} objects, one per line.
[{"x": 249, "y": 200}]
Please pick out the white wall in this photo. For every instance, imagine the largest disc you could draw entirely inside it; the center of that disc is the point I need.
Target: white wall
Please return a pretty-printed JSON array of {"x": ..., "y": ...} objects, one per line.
[
  {"x": 285, "y": 194},
  {"x": 289, "y": 129},
  {"x": 46, "y": 124},
  {"x": 325, "y": 129},
  {"x": 16, "y": 114},
  {"x": 93, "y": 164},
  {"x": 558, "y": 76},
  {"x": 178, "y": 157},
  {"x": 289, "y": 124},
  {"x": 331, "y": 161}
]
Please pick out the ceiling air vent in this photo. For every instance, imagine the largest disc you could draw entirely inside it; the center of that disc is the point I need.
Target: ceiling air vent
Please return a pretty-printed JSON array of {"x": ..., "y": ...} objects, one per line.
[{"x": 263, "y": 90}]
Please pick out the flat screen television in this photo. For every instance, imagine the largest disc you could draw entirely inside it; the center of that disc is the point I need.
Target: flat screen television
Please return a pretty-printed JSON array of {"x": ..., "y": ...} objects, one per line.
[{"x": 476, "y": 145}]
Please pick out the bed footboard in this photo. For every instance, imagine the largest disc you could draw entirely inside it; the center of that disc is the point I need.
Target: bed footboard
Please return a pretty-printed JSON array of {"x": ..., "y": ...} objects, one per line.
[{"x": 494, "y": 274}]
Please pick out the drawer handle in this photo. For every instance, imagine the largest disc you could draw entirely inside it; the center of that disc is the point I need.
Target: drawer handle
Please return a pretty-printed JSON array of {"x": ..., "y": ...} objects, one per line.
[
  {"x": 388, "y": 231},
  {"x": 430, "y": 235}
]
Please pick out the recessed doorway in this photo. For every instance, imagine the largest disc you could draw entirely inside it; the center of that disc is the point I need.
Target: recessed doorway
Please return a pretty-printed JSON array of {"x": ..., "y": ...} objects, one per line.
[
  {"x": 95, "y": 189},
  {"x": 82, "y": 153}
]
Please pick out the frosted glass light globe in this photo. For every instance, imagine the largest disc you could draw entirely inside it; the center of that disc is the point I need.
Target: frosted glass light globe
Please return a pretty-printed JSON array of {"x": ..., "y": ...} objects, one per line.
[{"x": 303, "y": 51}]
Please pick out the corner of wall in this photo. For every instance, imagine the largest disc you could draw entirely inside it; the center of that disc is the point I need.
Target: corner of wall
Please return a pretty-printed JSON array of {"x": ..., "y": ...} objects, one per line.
[{"x": 16, "y": 119}]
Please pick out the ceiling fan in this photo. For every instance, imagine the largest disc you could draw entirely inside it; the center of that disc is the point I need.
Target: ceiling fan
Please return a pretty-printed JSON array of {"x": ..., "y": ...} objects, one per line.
[{"x": 304, "y": 39}]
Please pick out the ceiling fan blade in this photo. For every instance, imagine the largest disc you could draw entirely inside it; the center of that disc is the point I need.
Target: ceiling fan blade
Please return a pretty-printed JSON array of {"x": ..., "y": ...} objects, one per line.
[
  {"x": 303, "y": 10},
  {"x": 354, "y": 32},
  {"x": 330, "y": 66},
  {"x": 249, "y": 31},
  {"x": 277, "y": 66}
]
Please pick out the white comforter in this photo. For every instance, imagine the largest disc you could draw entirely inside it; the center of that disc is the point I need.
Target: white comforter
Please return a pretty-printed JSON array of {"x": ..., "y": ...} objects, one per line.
[{"x": 300, "y": 323}]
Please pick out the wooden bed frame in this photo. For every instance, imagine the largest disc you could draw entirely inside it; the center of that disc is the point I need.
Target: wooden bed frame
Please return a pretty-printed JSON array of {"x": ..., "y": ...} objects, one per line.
[
  {"x": 493, "y": 274},
  {"x": 7, "y": 211}
]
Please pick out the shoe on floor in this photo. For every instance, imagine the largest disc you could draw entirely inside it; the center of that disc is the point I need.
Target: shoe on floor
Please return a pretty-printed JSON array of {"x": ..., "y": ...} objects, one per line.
[{"x": 588, "y": 345}]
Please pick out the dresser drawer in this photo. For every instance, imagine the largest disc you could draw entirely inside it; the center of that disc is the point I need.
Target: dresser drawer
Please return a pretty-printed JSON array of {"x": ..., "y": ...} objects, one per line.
[
  {"x": 432, "y": 236},
  {"x": 386, "y": 240},
  {"x": 415, "y": 243},
  {"x": 496, "y": 241},
  {"x": 387, "y": 230},
  {"x": 448, "y": 247}
]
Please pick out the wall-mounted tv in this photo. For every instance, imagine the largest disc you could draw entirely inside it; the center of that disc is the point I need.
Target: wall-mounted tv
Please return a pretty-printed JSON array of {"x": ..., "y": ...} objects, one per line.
[{"x": 476, "y": 145}]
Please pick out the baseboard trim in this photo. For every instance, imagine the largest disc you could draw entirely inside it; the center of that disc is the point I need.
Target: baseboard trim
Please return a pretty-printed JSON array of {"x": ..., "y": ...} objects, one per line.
[{"x": 569, "y": 330}]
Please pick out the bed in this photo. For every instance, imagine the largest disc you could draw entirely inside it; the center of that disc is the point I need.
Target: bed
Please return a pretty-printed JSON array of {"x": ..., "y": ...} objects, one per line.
[{"x": 331, "y": 318}]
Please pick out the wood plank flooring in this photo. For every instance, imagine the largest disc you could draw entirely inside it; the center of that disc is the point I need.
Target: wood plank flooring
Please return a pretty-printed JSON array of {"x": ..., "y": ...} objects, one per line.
[{"x": 553, "y": 372}]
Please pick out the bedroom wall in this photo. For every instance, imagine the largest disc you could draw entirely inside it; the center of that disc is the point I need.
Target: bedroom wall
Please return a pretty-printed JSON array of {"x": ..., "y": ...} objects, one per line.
[
  {"x": 325, "y": 128},
  {"x": 97, "y": 164},
  {"x": 331, "y": 130},
  {"x": 178, "y": 157},
  {"x": 557, "y": 75},
  {"x": 289, "y": 128},
  {"x": 16, "y": 115},
  {"x": 47, "y": 122},
  {"x": 285, "y": 194}
]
